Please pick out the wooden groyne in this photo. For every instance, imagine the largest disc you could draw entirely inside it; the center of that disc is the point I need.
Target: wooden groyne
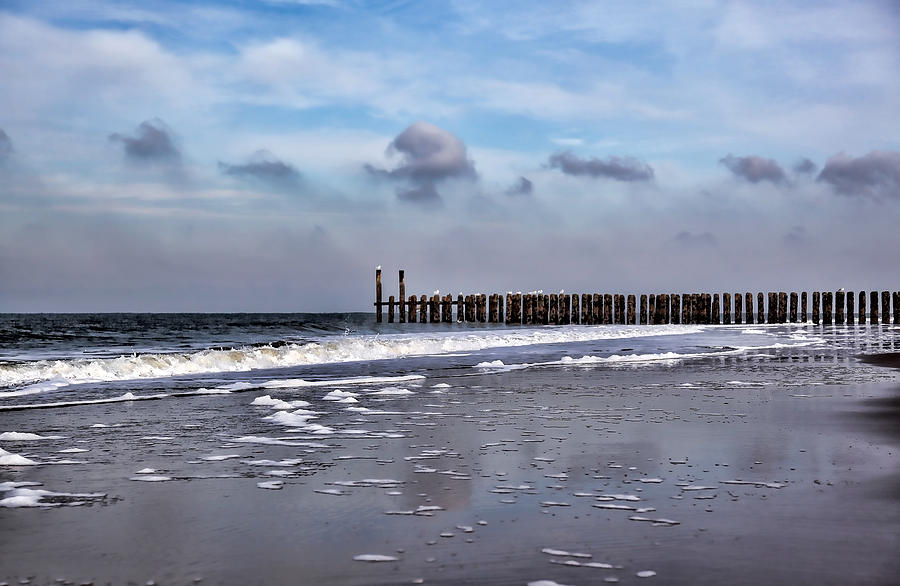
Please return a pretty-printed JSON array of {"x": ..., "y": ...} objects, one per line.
[{"x": 562, "y": 308}]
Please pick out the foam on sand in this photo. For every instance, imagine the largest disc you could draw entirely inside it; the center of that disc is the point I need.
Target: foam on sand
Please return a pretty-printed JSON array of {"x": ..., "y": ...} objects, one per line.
[
  {"x": 10, "y": 459},
  {"x": 374, "y": 557},
  {"x": 17, "y": 436},
  {"x": 20, "y": 497}
]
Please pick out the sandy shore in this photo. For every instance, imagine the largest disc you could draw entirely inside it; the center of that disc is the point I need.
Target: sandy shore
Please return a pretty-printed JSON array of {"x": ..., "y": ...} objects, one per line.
[{"x": 711, "y": 472}]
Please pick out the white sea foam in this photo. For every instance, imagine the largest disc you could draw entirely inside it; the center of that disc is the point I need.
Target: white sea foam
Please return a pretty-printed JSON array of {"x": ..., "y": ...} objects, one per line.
[
  {"x": 10, "y": 459},
  {"x": 374, "y": 557},
  {"x": 52, "y": 374},
  {"x": 119, "y": 399},
  {"x": 18, "y": 436},
  {"x": 31, "y": 497},
  {"x": 268, "y": 401}
]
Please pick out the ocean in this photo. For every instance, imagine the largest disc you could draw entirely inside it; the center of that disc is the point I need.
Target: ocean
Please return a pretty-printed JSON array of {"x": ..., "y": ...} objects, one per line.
[{"x": 326, "y": 448}]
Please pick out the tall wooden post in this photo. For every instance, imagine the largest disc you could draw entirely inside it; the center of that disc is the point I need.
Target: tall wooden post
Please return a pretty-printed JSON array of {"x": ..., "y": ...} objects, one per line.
[
  {"x": 804, "y": 314},
  {"x": 378, "y": 305},
  {"x": 527, "y": 315},
  {"x": 738, "y": 308},
  {"x": 607, "y": 308},
  {"x": 651, "y": 309},
  {"x": 676, "y": 307},
  {"x": 508, "y": 307},
  {"x": 782, "y": 307},
  {"x": 423, "y": 309},
  {"x": 815, "y": 308},
  {"x": 585, "y": 316},
  {"x": 391, "y": 309},
  {"x": 434, "y": 310},
  {"x": 761, "y": 308},
  {"x": 862, "y": 308},
  {"x": 873, "y": 307},
  {"x": 897, "y": 307},
  {"x": 447, "y": 309},
  {"x": 827, "y": 300},
  {"x": 565, "y": 309},
  {"x": 851, "y": 311},
  {"x": 716, "y": 310},
  {"x": 481, "y": 308},
  {"x": 597, "y": 309},
  {"x": 541, "y": 312},
  {"x": 686, "y": 311},
  {"x": 576, "y": 311},
  {"x": 885, "y": 307},
  {"x": 411, "y": 307},
  {"x": 839, "y": 307},
  {"x": 643, "y": 309},
  {"x": 620, "y": 309},
  {"x": 726, "y": 308},
  {"x": 402, "y": 298},
  {"x": 793, "y": 309},
  {"x": 469, "y": 310},
  {"x": 492, "y": 308},
  {"x": 499, "y": 307},
  {"x": 748, "y": 297},
  {"x": 631, "y": 317},
  {"x": 772, "y": 314},
  {"x": 554, "y": 309},
  {"x": 517, "y": 309}
]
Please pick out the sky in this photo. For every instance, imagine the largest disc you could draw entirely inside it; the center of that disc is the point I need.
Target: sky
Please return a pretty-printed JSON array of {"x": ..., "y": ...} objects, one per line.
[{"x": 266, "y": 155}]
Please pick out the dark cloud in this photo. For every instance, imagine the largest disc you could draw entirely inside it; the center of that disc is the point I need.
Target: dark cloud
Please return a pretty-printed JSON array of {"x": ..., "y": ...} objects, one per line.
[
  {"x": 428, "y": 155},
  {"x": 152, "y": 141},
  {"x": 6, "y": 147},
  {"x": 618, "y": 168},
  {"x": 805, "y": 166},
  {"x": 264, "y": 167},
  {"x": 523, "y": 186},
  {"x": 425, "y": 194},
  {"x": 755, "y": 169},
  {"x": 686, "y": 238},
  {"x": 876, "y": 174}
]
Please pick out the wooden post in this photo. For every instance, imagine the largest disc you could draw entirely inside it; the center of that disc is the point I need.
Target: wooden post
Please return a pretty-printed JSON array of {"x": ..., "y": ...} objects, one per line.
[
  {"x": 576, "y": 311},
  {"x": 716, "y": 310},
  {"x": 597, "y": 309},
  {"x": 402, "y": 298},
  {"x": 411, "y": 306},
  {"x": 447, "y": 309},
  {"x": 508, "y": 307},
  {"x": 620, "y": 309},
  {"x": 607, "y": 308},
  {"x": 676, "y": 308},
  {"x": 726, "y": 308},
  {"x": 492, "y": 308},
  {"x": 651, "y": 309},
  {"x": 705, "y": 303},
  {"x": 738, "y": 308},
  {"x": 517, "y": 309},
  {"x": 793, "y": 309},
  {"x": 667, "y": 309},
  {"x": 897, "y": 307},
  {"x": 631, "y": 316},
  {"x": 851, "y": 311},
  {"x": 827, "y": 303},
  {"x": 391, "y": 309},
  {"x": 545, "y": 299},
  {"x": 873, "y": 307},
  {"x": 527, "y": 315},
  {"x": 481, "y": 308},
  {"x": 862, "y": 308},
  {"x": 541, "y": 311},
  {"x": 643, "y": 309},
  {"x": 839, "y": 307},
  {"x": 686, "y": 311},
  {"x": 433, "y": 315},
  {"x": 697, "y": 307},
  {"x": 772, "y": 314},
  {"x": 499, "y": 308},
  {"x": 748, "y": 297},
  {"x": 423, "y": 309},
  {"x": 378, "y": 305},
  {"x": 761, "y": 308},
  {"x": 469, "y": 310},
  {"x": 815, "y": 308},
  {"x": 554, "y": 309},
  {"x": 885, "y": 307},
  {"x": 585, "y": 316},
  {"x": 804, "y": 314},
  {"x": 782, "y": 307}
]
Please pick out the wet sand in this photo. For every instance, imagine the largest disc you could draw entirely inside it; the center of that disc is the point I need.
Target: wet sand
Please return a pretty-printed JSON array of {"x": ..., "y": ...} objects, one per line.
[{"x": 711, "y": 472}]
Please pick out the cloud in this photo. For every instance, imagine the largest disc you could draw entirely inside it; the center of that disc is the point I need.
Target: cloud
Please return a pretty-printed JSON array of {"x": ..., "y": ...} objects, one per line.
[
  {"x": 6, "y": 147},
  {"x": 876, "y": 174},
  {"x": 523, "y": 186},
  {"x": 618, "y": 168},
  {"x": 805, "y": 166},
  {"x": 264, "y": 167},
  {"x": 428, "y": 155},
  {"x": 686, "y": 238},
  {"x": 797, "y": 235},
  {"x": 153, "y": 141},
  {"x": 754, "y": 169}
]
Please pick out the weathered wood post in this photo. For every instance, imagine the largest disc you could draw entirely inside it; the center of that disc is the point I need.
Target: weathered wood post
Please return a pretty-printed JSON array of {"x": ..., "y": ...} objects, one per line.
[
  {"x": 738, "y": 308},
  {"x": 676, "y": 308},
  {"x": 827, "y": 301},
  {"x": 620, "y": 309},
  {"x": 885, "y": 307},
  {"x": 492, "y": 308},
  {"x": 643, "y": 309},
  {"x": 651, "y": 309},
  {"x": 839, "y": 307},
  {"x": 761, "y": 308},
  {"x": 447, "y": 309},
  {"x": 554, "y": 309},
  {"x": 402, "y": 298},
  {"x": 667, "y": 308},
  {"x": 815, "y": 308},
  {"x": 390, "y": 309},
  {"x": 585, "y": 316},
  {"x": 576, "y": 311},
  {"x": 804, "y": 314},
  {"x": 772, "y": 314},
  {"x": 716, "y": 310},
  {"x": 851, "y": 311},
  {"x": 862, "y": 308},
  {"x": 567, "y": 308},
  {"x": 686, "y": 311},
  {"x": 508, "y": 307},
  {"x": 527, "y": 315},
  {"x": 873, "y": 307},
  {"x": 541, "y": 310},
  {"x": 469, "y": 307},
  {"x": 726, "y": 308},
  {"x": 499, "y": 308},
  {"x": 607, "y": 308},
  {"x": 434, "y": 315},
  {"x": 423, "y": 309},
  {"x": 517, "y": 309},
  {"x": 782, "y": 307},
  {"x": 411, "y": 306},
  {"x": 460, "y": 309},
  {"x": 545, "y": 299},
  {"x": 378, "y": 316},
  {"x": 631, "y": 316},
  {"x": 481, "y": 308},
  {"x": 748, "y": 297},
  {"x": 793, "y": 307},
  {"x": 597, "y": 309},
  {"x": 897, "y": 307},
  {"x": 697, "y": 308}
]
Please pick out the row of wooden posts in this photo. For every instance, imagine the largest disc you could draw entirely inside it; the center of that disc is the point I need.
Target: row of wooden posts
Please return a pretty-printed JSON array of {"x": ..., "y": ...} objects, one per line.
[{"x": 665, "y": 308}]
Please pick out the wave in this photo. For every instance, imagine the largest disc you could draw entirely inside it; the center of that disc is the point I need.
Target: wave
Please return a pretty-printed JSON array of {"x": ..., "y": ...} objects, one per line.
[{"x": 46, "y": 375}]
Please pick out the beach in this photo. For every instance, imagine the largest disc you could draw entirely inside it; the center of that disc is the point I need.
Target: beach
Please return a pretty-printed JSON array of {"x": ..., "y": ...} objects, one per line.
[{"x": 687, "y": 455}]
